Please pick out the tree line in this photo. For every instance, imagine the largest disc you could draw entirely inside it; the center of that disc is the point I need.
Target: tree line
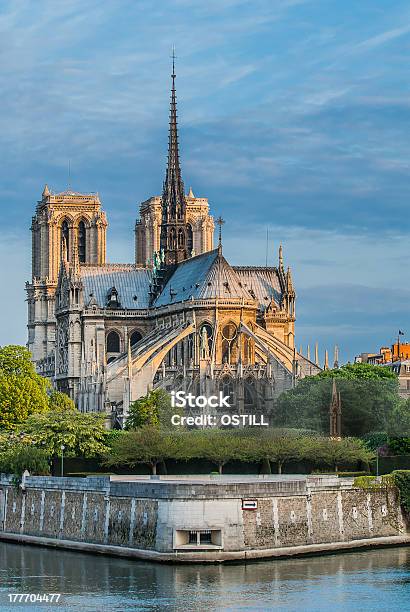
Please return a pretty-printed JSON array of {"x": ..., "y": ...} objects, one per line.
[{"x": 151, "y": 446}]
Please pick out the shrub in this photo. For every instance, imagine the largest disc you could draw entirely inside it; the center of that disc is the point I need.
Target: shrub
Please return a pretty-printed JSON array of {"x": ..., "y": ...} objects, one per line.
[
  {"x": 402, "y": 481},
  {"x": 24, "y": 457}
]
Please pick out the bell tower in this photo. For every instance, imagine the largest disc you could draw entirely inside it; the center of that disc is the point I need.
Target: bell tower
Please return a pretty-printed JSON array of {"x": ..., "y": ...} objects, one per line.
[{"x": 69, "y": 217}]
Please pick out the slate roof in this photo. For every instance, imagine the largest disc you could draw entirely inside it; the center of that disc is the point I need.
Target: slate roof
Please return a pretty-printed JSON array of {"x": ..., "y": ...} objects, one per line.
[
  {"x": 130, "y": 281},
  {"x": 263, "y": 282},
  {"x": 202, "y": 277}
]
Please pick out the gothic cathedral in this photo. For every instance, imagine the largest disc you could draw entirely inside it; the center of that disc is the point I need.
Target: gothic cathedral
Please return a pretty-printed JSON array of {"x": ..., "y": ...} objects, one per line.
[{"x": 180, "y": 317}]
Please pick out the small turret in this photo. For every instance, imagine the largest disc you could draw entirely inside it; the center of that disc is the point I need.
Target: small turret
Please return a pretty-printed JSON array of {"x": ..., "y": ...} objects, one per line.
[
  {"x": 75, "y": 260},
  {"x": 289, "y": 282},
  {"x": 281, "y": 266},
  {"x": 336, "y": 357}
]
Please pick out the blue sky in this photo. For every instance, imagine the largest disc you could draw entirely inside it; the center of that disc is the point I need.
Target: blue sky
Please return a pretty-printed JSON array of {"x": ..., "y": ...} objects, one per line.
[{"x": 294, "y": 115}]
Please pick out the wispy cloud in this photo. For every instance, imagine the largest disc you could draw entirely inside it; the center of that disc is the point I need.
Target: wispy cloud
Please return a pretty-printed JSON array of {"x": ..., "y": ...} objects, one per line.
[{"x": 293, "y": 114}]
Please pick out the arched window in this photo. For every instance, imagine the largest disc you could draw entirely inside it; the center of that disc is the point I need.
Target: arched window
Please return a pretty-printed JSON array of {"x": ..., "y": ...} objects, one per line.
[
  {"x": 135, "y": 337},
  {"x": 65, "y": 235},
  {"x": 228, "y": 343},
  {"x": 189, "y": 239},
  {"x": 113, "y": 342},
  {"x": 250, "y": 393},
  {"x": 226, "y": 387},
  {"x": 81, "y": 241}
]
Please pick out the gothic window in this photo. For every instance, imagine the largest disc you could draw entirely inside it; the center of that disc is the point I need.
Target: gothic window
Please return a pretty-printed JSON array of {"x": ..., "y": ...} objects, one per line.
[
  {"x": 135, "y": 337},
  {"x": 189, "y": 239},
  {"x": 65, "y": 234},
  {"x": 181, "y": 239},
  {"x": 250, "y": 393},
  {"x": 228, "y": 343},
  {"x": 113, "y": 342},
  {"x": 81, "y": 241},
  {"x": 226, "y": 387}
]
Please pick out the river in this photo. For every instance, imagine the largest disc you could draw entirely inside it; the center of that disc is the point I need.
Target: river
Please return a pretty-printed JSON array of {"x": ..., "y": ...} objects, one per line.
[{"x": 364, "y": 581}]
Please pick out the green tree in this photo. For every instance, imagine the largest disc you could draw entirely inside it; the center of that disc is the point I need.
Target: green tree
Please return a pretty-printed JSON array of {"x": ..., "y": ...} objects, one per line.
[
  {"x": 81, "y": 434},
  {"x": 219, "y": 446},
  {"x": 22, "y": 391},
  {"x": 335, "y": 453},
  {"x": 60, "y": 401},
  {"x": 23, "y": 457},
  {"x": 154, "y": 409},
  {"x": 369, "y": 397},
  {"x": 147, "y": 445},
  {"x": 274, "y": 447},
  {"x": 398, "y": 423}
]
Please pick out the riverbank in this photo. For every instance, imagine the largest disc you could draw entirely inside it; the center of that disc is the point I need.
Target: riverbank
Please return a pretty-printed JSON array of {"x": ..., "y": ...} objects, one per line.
[
  {"x": 209, "y": 556},
  {"x": 201, "y": 520}
]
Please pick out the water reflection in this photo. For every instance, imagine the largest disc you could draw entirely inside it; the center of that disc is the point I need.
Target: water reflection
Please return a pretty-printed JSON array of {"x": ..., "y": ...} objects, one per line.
[{"x": 372, "y": 580}]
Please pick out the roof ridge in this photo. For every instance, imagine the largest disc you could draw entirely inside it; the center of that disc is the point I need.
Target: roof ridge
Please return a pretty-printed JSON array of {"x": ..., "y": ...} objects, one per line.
[
  {"x": 259, "y": 268},
  {"x": 131, "y": 266}
]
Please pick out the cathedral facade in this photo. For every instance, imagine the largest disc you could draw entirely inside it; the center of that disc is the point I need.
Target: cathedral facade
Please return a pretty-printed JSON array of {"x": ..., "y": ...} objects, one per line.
[{"x": 180, "y": 317}]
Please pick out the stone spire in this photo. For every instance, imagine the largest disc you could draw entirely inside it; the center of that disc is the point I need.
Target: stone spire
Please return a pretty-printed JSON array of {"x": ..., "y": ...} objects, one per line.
[
  {"x": 173, "y": 238},
  {"x": 316, "y": 353},
  {"x": 335, "y": 413},
  {"x": 289, "y": 282},
  {"x": 64, "y": 254},
  {"x": 326, "y": 366},
  {"x": 46, "y": 191},
  {"x": 308, "y": 352},
  {"x": 281, "y": 267},
  {"x": 75, "y": 260},
  {"x": 336, "y": 357}
]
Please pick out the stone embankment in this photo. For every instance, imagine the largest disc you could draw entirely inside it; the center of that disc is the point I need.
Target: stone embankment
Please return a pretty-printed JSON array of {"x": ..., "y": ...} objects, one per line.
[{"x": 199, "y": 519}]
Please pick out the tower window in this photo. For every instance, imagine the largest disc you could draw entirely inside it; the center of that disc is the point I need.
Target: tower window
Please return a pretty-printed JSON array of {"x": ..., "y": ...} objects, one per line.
[
  {"x": 113, "y": 342},
  {"x": 81, "y": 241},
  {"x": 65, "y": 235}
]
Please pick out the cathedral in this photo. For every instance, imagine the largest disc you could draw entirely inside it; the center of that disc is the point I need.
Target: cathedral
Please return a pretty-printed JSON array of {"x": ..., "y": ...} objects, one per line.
[{"x": 180, "y": 317}]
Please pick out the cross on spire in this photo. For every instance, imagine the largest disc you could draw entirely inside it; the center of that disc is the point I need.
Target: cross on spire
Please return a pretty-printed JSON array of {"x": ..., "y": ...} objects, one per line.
[
  {"x": 220, "y": 222},
  {"x": 173, "y": 56}
]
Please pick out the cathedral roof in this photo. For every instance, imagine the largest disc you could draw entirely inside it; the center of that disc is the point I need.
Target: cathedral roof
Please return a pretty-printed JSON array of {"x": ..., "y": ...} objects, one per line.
[
  {"x": 130, "y": 282},
  {"x": 263, "y": 283},
  {"x": 204, "y": 277}
]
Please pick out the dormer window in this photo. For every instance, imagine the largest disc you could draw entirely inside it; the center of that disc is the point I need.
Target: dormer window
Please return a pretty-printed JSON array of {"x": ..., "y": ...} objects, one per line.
[{"x": 112, "y": 298}]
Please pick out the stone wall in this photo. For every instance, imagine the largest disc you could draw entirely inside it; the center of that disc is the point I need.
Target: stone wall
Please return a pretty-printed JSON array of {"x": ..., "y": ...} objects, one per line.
[{"x": 146, "y": 515}]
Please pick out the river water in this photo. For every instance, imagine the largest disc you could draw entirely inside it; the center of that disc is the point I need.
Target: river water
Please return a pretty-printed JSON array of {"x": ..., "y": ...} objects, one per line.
[{"x": 364, "y": 581}]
